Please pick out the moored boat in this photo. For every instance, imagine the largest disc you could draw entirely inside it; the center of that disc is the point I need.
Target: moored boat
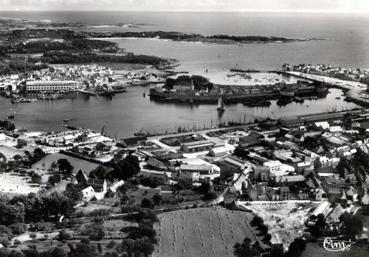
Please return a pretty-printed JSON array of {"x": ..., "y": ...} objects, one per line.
[
  {"x": 258, "y": 103},
  {"x": 287, "y": 92},
  {"x": 298, "y": 99},
  {"x": 220, "y": 107}
]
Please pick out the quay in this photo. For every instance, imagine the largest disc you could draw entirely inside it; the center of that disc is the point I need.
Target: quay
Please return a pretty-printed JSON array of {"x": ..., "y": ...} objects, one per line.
[
  {"x": 306, "y": 118},
  {"x": 355, "y": 92}
]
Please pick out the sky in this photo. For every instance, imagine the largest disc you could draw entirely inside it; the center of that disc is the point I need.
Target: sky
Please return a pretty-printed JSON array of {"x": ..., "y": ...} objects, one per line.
[{"x": 191, "y": 5}]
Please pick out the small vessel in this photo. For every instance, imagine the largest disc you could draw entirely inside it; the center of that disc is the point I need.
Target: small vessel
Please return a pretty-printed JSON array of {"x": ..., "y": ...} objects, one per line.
[
  {"x": 70, "y": 127},
  {"x": 259, "y": 103},
  {"x": 11, "y": 117},
  {"x": 298, "y": 99},
  {"x": 144, "y": 94},
  {"x": 287, "y": 92},
  {"x": 66, "y": 120},
  {"x": 220, "y": 107}
]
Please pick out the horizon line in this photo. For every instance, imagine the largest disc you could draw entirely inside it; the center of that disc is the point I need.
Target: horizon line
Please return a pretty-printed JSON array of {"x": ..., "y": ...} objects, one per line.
[{"x": 325, "y": 11}]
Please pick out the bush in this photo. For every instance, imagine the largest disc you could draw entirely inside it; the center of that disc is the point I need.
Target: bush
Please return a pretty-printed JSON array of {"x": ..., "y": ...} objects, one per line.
[
  {"x": 130, "y": 208},
  {"x": 63, "y": 235},
  {"x": 111, "y": 244},
  {"x": 256, "y": 221},
  {"x": 18, "y": 228},
  {"x": 146, "y": 214},
  {"x": 99, "y": 212},
  {"x": 157, "y": 199},
  {"x": 147, "y": 203}
]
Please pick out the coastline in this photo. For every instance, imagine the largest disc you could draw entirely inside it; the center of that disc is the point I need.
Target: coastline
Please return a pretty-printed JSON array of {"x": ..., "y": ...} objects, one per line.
[{"x": 196, "y": 38}]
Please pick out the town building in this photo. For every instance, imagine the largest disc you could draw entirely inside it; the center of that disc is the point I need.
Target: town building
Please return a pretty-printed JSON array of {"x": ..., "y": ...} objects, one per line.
[
  {"x": 52, "y": 85},
  {"x": 197, "y": 146}
]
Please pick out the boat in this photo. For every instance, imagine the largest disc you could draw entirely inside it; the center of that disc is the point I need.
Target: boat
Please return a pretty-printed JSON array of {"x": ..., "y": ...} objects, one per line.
[
  {"x": 322, "y": 89},
  {"x": 284, "y": 101},
  {"x": 70, "y": 127},
  {"x": 220, "y": 107},
  {"x": 259, "y": 103},
  {"x": 11, "y": 117},
  {"x": 287, "y": 92},
  {"x": 298, "y": 99},
  {"x": 106, "y": 93},
  {"x": 66, "y": 120}
]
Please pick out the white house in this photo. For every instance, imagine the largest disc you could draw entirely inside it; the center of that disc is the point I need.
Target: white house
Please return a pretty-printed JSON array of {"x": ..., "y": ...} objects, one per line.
[
  {"x": 88, "y": 193},
  {"x": 277, "y": 168},
  {"x": 322, "y": 124}
]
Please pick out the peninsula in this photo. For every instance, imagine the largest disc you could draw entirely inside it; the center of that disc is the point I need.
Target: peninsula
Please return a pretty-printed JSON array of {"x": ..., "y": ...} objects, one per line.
[{"x": 190, "y": 37}]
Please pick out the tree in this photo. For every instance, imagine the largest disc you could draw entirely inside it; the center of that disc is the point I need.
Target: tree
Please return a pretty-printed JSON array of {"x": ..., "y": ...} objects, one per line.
[
  {"x": 95, "y": 230},
  {"x": 144, "y": 229},
  {"x": 2, "y": 158},
  {"x": 256, "y": 221},
  {"x": 100, "y": 172},
  {"x": 18, "y": 228},
  {"x": 38, "y": 154},
  {"x": 51, "y": 207},
  {"x": 267, "y": 238},
  {"x": 136, "y": 247},
  {"x": 353, "y": 225},
  {"x": 140, "y": 215},
  {"x": 15, "y": 253},
  {"x": 319, "y": 227},
  {"x": 263, "y": 229},
  {"x": 73, "y": 192},
  {"x": 126, "y": 168},
  {"x": 63, "y": 235},
  {"x": 147, "y": 203},
  {"x": 245, "y": 249},
  {"x": 157, "y": 199},
  {"x": 11, "y": 213},
  {"x": 65, "y": 167},
  {"x": 210, "y": 196},
  {"x": 99, "y": 248},
  {"x": 97, "y": 233},
  {"x": 111, "y": 244},
  {"x": 317, "y": 164},
  {"x": 36, "y": 178},
  {"x": 100, "y": 146},
  {"x": 54, "y": 179},
  {"x": 55, "y": 252},
  {"x": 82, "y": 250},
  {"x": 296, "y": 248},
  {"x": 53, "y": 166}
]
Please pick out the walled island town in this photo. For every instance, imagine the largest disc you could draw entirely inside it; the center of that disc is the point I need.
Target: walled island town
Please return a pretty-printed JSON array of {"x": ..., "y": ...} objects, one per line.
[{"x": 115, "y": 143}]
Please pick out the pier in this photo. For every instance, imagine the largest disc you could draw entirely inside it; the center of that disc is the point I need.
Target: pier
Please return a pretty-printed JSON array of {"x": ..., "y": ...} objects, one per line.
[{"x": 354, "y": 91}]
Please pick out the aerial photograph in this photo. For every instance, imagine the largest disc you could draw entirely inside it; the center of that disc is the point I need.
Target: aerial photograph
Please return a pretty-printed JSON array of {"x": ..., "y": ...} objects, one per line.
[{"x": 184, "y": 128}]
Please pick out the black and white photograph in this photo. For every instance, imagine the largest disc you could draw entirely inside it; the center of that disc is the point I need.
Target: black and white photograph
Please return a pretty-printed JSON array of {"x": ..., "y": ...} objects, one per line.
[{"x": 184, "y": 128}]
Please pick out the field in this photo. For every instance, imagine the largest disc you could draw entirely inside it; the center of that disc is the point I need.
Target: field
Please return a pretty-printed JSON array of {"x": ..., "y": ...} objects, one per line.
[
  {"x": 13, "y": 183},
  {"x": 201, "y": 232},
  {"x": 43, "y": 165}
]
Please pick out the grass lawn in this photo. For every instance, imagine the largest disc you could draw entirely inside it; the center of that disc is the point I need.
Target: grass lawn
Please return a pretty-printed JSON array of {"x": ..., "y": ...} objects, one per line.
[
  {"x": 201, "y": 232},
  {"x": 43, "y": 165}
]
